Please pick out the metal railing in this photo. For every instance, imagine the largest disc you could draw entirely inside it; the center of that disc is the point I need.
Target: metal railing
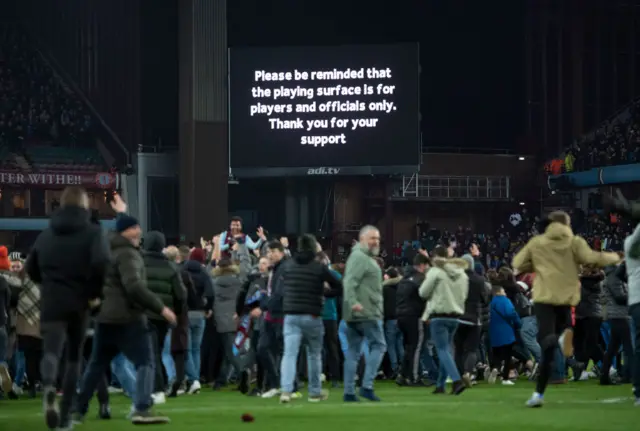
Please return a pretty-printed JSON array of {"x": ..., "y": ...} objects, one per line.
[{"x": 451, "y": 187}]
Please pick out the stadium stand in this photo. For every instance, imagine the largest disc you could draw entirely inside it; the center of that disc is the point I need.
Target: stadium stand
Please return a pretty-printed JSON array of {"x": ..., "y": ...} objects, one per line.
[{"x": 43, "y": 125}]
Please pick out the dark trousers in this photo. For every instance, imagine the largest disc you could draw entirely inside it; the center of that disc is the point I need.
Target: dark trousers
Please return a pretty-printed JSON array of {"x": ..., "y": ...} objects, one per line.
[
  {"x": 270, "y": 347},
  {"x": 109, "y": 340},
  {"x": 255, "y": 336},
  {"x": 331, "y": 350},
  {"x": 210, "y": 352},
  {"x": 585, "y": 339},
  {"x": 228, "y": 339},
  {"x": 552, "y": 321},
  {"x": 412, "y": 329},
  {"x": 179, "y": 358},
  {"x": 102, "y": 391},
  {"x": 32, "y": 349},
  {"x": 158, "y": 333},
  {"x": 502, "y": 354},
  {"x": 466, "y": 342},
  {"x": 634, "y": 311},
  {"x": 620, "y": 336},
  {"x": 70, "y": 331}
]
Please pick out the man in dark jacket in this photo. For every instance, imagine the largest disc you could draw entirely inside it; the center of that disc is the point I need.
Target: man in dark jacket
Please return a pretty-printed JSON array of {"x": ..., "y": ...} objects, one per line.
[
  {"x": 270, "y": 343},
  {"x": 199, "y": 311},
  {"x": 122, "y": 322},
  {"x": 467, "y": 336},
  {"x": 392, "y": 334},
  {"x": 588, "y": 322},
  {"x": 164, "y": 280},
  {"x": 409, "y": 309},
  {"x": 616, "y": 296},
  {"x": 304, "y": 292},
  {"x": 69, "y": 261}
]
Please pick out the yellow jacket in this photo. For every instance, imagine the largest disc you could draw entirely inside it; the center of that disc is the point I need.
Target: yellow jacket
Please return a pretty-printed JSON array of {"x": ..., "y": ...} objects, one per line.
[{"x": 555, "y": 257}]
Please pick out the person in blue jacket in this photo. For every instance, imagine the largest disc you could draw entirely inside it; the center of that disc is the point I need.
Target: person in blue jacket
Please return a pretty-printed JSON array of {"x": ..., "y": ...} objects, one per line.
[{"x": 503, "y": 326}]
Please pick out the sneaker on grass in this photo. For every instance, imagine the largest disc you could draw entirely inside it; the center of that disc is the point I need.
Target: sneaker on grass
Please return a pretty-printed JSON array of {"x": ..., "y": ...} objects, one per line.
[{"x": 148, "y": 418}]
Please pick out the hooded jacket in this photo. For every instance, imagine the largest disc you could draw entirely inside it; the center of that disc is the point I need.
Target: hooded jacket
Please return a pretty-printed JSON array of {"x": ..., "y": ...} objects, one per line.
[
  {"x": 389, "y": 294},
  {"x": 126, "y": 295},
  {"x": 555, "y": 257},
  {"x": 615, "y": 292},
  {"x": 409, "y": 304},
  {"x": 445, "y": 289},
  {"x": 590, "y": 304},
  {"x": 304, "y": 288},
  {"x": 69, "y": 261},
  {"x": 227, "y": 286},
  {"x": 202, "y": 285},
  {"x": 477, "y": 299},
  {"x": 163, "y": 278},
  {"x": 362, "y": 284}
]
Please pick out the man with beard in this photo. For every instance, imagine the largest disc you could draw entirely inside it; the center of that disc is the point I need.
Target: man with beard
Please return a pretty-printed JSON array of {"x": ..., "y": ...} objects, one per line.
[
  {"x": 555, "y": 257},
  {"x": 122, "y": 324},
  {"x": 69, "y": 261},
  {"x": 228, "y": 238},
  {"x": 362, "y": 310}
]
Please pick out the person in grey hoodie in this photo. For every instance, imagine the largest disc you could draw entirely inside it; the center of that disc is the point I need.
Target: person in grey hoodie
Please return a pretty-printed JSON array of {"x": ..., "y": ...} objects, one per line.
[
  {"x": 228, "y": 278},
  {"x": 616, "y": 295}
]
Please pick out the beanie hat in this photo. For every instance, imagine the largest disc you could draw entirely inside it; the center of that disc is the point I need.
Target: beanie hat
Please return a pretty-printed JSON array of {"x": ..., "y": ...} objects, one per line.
[
  {"x": 197, "y": 254},
  {"x": 125, "y": 222},
  {"x": 16, "y": 256},
  {"x": 470, "y": 261},
  {"x": 5, "y": 264}
]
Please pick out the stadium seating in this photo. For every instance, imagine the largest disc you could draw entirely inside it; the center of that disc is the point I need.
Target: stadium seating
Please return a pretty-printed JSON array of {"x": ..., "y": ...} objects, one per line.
[{"x": 43, "y": 125}]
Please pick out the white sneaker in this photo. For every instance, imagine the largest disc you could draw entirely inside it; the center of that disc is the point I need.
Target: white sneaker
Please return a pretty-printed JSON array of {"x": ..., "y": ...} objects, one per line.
[
  {"x": 536, "y": 400},
  {"x": 194, "y": 388},
  {"x": 323, "y": 377},
  {"x": 493, "y": 376},
  {"x": 17, "y": 390},
  {"x": 508, "y": 383},
  {"x": 324, "y": 395},
  {"x": 5, "y": 379},
  {"x": 584, "y": 376},
  {"x": 285, "y": 398},
  {"x": 114, "y": 390},
  {"x": 271, "y": 393},
  {"x": 159, "y": 398}
]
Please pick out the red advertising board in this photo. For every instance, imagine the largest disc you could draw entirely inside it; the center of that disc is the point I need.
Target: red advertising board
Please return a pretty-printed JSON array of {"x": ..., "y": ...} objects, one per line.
[{"x": 53, "y": 180}]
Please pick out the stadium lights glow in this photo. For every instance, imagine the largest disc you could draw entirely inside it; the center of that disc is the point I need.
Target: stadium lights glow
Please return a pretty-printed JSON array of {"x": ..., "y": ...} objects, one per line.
[
  {"x": 521, "y": 158},
  {"x": 521, "y": 204}
]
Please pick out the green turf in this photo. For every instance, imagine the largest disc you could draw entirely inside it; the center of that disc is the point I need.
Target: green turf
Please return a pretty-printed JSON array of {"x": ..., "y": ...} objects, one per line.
[{"x": 575, "y": 407}]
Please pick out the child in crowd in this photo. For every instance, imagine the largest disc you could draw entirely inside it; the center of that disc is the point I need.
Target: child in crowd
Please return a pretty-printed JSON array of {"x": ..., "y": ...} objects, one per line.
[{"x": 503, "y": 326}]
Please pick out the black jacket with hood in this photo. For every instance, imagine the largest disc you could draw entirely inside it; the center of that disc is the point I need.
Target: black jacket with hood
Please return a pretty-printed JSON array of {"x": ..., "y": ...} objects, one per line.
[
  {"x": 477, "y": 298},
  {"x": 273, "y": 301},
  {"x": 409, "y": 304},
  {"x": 389, "y": 293},
  {"x": 203, "y": 286},
  {"x": 590, "y": 304},
  {"x": 69, "y": 261},
  {"x": 304, "y": 285}
]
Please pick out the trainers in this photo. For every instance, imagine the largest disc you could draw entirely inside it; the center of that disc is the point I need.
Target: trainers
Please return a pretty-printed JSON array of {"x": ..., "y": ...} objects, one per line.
[
  {"x": 194, "y": 388},
  {"x": 148, "y": 418},
  {"x": 159, "y": 398},
  {"x": 322, "y": 396},
  {"x": 285, "y": 398},
  {"x": 458, "y": 388},
  {"x": 17, "y": 389},
  {"x": 508, "y": 383},
  {"x": 492, "y": 376},
  {"x": 271, "y": 393},
  {"x": 536, "y": 400},
  {"x": 5, "y": 379},
  {"x": 369, "y": 394},
  {"x": 105, "y": 412},
  {"x": 466, "y": 379},
  {"x": 350, "y": 398},
  {"x": 51, "y": 411},
  {"x": 566, "y": 343}
]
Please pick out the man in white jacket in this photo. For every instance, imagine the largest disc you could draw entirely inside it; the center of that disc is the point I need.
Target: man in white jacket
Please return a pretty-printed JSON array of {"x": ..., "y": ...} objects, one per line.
[{"x": 445, "y": 288}]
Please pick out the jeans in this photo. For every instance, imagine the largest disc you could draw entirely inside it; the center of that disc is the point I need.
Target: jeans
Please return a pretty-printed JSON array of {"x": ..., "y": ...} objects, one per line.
[
  {"x": 559, "y": 370},
  {"x": 344, "y": 344},
  {"x": 167, "y": 359},
  {"x": 395, "y": 347},
  {"x": 357, "y": 332},
  {"x": 442, "y": 333},
  {"x": 196, "y": 330},
  {"x": 134, "y": 342},
  {"x": 528, "y": 334},
  {"x": 296, "y": 328},
  {"x": 18, "y": 367},
  {"x": 125, "y": 373},
  {"x": 428, "y": 364}
]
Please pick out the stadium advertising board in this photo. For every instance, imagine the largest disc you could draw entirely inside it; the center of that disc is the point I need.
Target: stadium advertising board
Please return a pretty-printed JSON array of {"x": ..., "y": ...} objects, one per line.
[
  {"x": 342, "y": 110},
  {"x": 52, "y": 180}
]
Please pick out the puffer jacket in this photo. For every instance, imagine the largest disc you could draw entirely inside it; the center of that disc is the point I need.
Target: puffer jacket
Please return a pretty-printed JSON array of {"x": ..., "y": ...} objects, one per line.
[
  {"x": 590, "y": 304},
  {"x": 616, "y": 293},
  {"x": 226, "y": 288}
]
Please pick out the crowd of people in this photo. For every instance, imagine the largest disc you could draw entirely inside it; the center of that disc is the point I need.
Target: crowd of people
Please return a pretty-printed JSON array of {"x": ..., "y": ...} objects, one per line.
[
  {"x": 165, "y": 320},
  {"x": 35, "y": 107}
]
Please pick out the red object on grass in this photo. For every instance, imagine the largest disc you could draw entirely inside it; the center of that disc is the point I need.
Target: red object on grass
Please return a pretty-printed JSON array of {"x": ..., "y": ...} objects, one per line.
[{"x": 247, "y": 417}]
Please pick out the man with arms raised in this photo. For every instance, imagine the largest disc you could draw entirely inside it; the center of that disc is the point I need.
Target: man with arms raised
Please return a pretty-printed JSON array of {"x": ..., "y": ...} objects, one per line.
[
  {"x": 555, "y": 257},
  {"x": 122, "y": 324},
  {"x": 363, "y": 312},
  {"x": 69, "y": 261}
]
